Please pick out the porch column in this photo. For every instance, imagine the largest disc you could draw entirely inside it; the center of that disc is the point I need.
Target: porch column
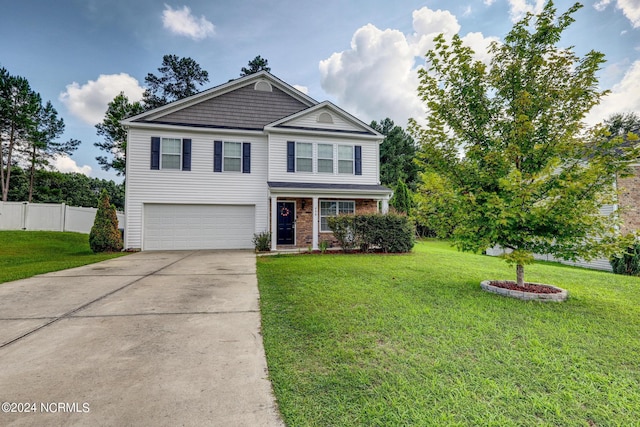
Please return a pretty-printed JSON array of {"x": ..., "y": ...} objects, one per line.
[
  {"x": 385, "y": 205},
  {"x": 314, "y": 239},
  {"x": 274, "y": 222}
]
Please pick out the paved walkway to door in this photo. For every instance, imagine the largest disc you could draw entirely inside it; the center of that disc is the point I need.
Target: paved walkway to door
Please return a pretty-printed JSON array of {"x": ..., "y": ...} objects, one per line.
[{"x": 152, "y": 338}]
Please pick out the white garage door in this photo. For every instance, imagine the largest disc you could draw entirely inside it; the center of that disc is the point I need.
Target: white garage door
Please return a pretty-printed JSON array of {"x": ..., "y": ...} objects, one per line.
[{"x": 198, "y": 226}]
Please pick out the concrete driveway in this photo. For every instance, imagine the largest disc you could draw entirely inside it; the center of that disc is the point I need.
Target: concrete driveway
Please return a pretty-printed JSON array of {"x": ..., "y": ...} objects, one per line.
[{"x": 152, "y": 338}]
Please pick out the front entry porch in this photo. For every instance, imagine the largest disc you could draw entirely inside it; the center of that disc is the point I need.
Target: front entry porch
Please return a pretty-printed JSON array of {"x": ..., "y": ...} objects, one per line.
[{"x": 298, "y": 215}]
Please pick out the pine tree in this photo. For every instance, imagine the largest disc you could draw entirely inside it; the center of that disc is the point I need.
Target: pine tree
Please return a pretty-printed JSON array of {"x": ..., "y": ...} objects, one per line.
[{"x": 105, "y": 235}]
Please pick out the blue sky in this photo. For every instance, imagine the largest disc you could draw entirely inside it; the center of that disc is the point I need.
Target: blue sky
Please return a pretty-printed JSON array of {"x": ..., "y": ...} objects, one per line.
[{"x": 361, "y": 55}]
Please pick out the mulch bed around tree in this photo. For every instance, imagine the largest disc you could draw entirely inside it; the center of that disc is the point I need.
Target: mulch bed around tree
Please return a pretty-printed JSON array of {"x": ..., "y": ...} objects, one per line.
[{"x": 528, "y": 287}]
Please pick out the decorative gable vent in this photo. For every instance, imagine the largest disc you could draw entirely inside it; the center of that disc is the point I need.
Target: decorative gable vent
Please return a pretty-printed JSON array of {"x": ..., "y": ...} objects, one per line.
[
  {"x": 263, "y": 86},
  {"x": 325, "y": 117}
]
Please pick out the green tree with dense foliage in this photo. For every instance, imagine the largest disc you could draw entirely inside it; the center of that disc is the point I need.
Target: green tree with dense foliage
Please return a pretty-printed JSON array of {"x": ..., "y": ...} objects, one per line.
[
  {"x": 178, "y": 79},
  {"x": 397, "y": 154},
  {"x": 255, "y": 65},
  {"x": 114, "y": 134},
  {"x": 18, "y": 107},
  {"x": 510, "y": 140},
  {"x": 105, "y": 235},
  {"x": 402, "y": 199},
  {"x": 42, "y": 146},
  {"x": 73, "y": 189}
]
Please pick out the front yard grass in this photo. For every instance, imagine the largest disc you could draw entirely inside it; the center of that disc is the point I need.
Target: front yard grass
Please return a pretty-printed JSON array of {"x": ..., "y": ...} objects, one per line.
[
  {"x": 27, "y": 253},
  {"x": 412, "y": 340}
]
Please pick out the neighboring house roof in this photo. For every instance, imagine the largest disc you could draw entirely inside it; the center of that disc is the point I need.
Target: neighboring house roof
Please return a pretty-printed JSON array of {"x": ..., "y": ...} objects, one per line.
[{"x": 257, "y": 102}]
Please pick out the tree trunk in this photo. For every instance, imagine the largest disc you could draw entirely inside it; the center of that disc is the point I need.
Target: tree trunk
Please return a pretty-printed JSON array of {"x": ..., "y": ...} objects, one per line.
[{"x": 520, "y": 275}]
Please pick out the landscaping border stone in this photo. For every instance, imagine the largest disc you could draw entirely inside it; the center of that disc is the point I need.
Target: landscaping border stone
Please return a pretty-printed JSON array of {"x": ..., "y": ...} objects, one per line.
[{"x": 560, "y": 296}]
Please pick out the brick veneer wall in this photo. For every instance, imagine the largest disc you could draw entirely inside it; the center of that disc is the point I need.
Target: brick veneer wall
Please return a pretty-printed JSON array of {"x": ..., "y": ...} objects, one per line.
[
  {"x": 629, "y": 201},
  {"x": 304, "y": 220}
]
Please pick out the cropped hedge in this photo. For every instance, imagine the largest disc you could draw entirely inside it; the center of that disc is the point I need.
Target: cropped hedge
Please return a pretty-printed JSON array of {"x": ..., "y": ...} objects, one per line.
[
  {"x": 388, "y": 233},
  {"x": 628, "y": 263}
]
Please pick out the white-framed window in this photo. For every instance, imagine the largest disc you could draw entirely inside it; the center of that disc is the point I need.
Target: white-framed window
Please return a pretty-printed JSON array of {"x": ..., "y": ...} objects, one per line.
[
  {"x": 170, "y": 153},
  {"x": 345, "y": 159},
  {"x": 304, "y": 157},
  {"x": 232, "y": 157},
  {"x": 325, "y": 158},
  {"x": 330, "y": 208}
]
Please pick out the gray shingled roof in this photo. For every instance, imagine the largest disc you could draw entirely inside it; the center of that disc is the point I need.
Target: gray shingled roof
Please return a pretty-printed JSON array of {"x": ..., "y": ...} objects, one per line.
[{"x": 243, "y": 108}]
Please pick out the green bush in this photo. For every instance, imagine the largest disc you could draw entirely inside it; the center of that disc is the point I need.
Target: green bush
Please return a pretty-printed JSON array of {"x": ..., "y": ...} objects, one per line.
[
  {"x": 628, "y": 263},
  {"x": 390, "y": 233},
  {"x": 105, "y": 235},
  {"x": 262, "y": 241}
]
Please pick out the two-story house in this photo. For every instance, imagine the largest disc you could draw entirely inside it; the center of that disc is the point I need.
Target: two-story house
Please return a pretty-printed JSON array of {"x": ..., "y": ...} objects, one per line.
[{"x": 251, "y": 155}]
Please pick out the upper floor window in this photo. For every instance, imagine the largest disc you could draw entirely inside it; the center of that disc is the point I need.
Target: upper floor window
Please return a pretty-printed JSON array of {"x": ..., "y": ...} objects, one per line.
[
  {"x": 325, "y": 158},
  {"x": 345, "y": 159},
  {"x": 304, "y": 157},
  {"x": 232, "y": 156},
  {"x": 170, "y": 153},
  {"x": 170, "y": 149}
]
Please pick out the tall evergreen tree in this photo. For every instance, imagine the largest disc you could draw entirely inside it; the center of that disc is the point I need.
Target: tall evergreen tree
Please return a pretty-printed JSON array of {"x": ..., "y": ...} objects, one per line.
[
  {"x": 18, "y": 107},
  {"x": 256, "y": 64},
  {"x": 397, "y": 155},
  {"x": 114, "y": 134},
  {"x": 42, "y": 145},
  {"x": 178, "y": 79}
]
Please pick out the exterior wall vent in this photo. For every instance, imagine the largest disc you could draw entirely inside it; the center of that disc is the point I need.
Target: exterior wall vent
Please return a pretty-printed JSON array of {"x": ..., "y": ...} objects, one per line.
[
  {"x": 325, "y": 117},
  {"x": 263, "y": 86}
]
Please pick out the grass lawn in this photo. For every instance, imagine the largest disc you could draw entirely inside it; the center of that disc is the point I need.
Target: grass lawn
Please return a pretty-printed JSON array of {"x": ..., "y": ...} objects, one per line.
[
  {"x": 27, "y": 253},
  {"x": 388, "y": 340}
]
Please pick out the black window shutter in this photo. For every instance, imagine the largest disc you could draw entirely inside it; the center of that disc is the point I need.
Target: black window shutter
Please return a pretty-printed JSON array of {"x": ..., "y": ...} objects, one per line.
[
  {"x": 291, "y": 156},
  {"x": 155, "y": 153},
  {"x": 217, "y": 156},
  {"x": 186, "y": 154},
  {"x": 246, "y": 157},
  {"x": 358, "y": 159}
]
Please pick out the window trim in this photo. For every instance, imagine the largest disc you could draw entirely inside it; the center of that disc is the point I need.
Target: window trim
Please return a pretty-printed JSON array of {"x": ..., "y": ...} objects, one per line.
[{"x": 337, "y": 202}]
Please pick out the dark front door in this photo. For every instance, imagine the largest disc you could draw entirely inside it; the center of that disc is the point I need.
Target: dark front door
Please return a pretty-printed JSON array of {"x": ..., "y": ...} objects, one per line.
[{"x": 286, "y": 220}]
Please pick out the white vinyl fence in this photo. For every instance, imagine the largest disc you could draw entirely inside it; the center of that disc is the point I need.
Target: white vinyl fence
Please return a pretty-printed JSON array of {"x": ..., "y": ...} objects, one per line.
[{"x": 49, "y": 217}]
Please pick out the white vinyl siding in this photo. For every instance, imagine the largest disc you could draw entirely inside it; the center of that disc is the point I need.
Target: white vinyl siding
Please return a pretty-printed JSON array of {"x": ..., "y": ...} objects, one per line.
[
  {"x": 232, "y": 155},
  {"x": 345, "y": 159},
  {"x": 304, "y": 157},
  {"x": 329, "y": 208},
  {"x": 200, "y": 186},
  {"x": 325, "y": 158},
  {"x": 170, "y": 152}
]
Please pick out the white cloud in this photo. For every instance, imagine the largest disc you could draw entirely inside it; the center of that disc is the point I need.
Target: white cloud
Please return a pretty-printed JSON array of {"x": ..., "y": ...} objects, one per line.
[
  {"x": 377, "y": 77},
  {"x": 519, "y": 8},
  {"x": 90, "y": 100},
  {"x": 601, "y": 5},
  {"x": 489, "y": 2},
  {"x": 624, "y": 97},
  {"x": 630, "y": 9},
  {"x": 183, "y": 23},
  {"x": 66, "y": 164},
  {"x": 302, "y": 89}
]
